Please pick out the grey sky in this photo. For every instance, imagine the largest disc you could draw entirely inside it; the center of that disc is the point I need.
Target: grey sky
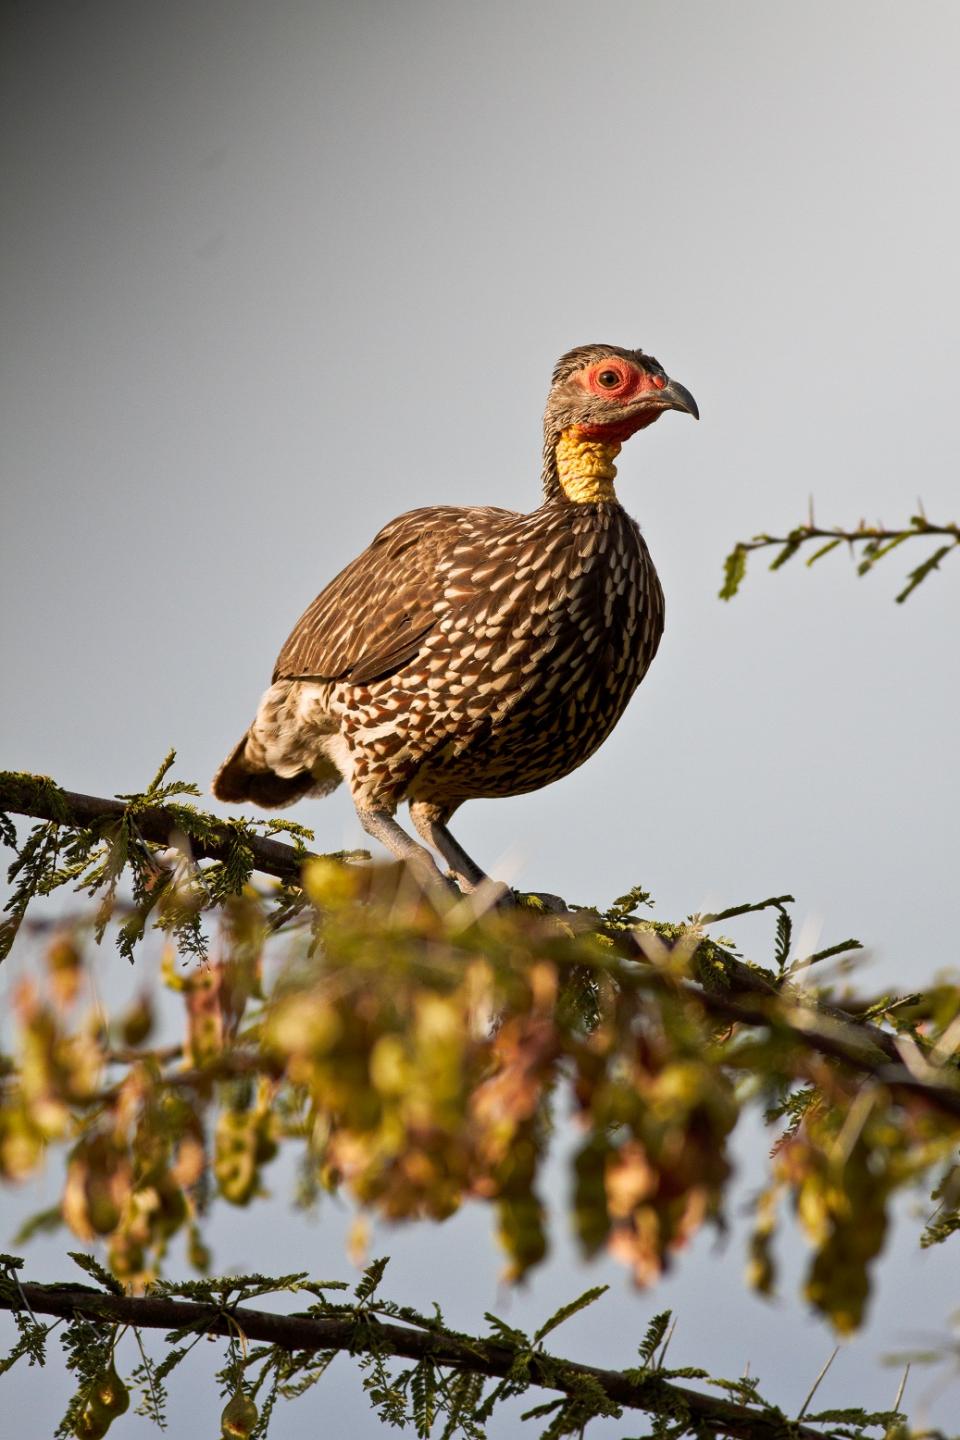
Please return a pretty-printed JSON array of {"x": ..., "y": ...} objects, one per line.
[{"x": 274, "y": 273}]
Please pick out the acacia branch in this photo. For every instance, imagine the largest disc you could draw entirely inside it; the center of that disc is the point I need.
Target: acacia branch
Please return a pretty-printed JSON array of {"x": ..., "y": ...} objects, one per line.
[
  {"x": 823, "y": 1029},
  {"x": 876, "y": 540},
  {"x": 708, "y": 1415},
  {"x": 919, "y": 526},
  {"x": 810, "y": 1027},
  {"x": 35, "y": 797}
]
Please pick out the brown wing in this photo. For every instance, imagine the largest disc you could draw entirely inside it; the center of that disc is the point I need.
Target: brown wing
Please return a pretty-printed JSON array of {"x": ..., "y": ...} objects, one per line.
[{"x": 373, "y": 618}]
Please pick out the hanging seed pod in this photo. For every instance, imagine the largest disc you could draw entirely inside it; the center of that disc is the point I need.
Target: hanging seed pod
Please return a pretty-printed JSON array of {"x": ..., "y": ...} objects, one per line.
[
  {"x": 110, "y": 1394},
  {"x": 93, "y": 1423},
  {"x": 65, "y": 967},
  {"x": 238, "y": 1418},
  {"x": 137, "y": 1022}
]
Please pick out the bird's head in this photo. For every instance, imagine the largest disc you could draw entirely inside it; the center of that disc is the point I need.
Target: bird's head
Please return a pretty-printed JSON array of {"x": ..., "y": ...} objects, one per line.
[{"x": 600, "y": 396}]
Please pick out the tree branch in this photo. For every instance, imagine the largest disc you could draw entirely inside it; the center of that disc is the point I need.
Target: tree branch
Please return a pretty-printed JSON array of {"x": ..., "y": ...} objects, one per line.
[
  {"x": 650, "y": 1392},
  {"x": 877, "y": 541},
  {"x": 919, "y": 526},
  {"x": 36, "y": 797},
  {"x": 804, "y": 1026},
  {"x": 824, "y": 1029}
]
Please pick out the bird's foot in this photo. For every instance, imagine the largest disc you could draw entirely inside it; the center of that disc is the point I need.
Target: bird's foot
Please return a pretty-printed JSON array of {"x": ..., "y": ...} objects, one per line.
[{"x": 484, "y": 894}]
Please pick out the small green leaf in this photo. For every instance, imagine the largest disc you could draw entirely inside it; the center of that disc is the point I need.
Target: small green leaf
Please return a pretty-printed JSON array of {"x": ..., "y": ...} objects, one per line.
[
  {"x": 165, "y": 765},
  {"x": 875, "y": 551},
  {"x": 790, "y": 549},
  {"x": 734, "y": 571},
  {"x": 43, "y": 1222},
  {"x": 587, "y": 1298},
  {"x": 653, "y": 1338},
  {"x": 824, "y": 550},
  {"x": 96, "y": 1270},
  {"x": 538, "y": 1411},
  {"x": 504, "y": 1331},
  {"x": 784, "y": 936},
  {"x": 917, "y": 577},
  {"x": 371, "y": 1278}
]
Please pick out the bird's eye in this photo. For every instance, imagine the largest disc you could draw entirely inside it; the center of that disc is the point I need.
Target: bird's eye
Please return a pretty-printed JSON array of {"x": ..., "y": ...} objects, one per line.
[{"x": 609, "y": 379}]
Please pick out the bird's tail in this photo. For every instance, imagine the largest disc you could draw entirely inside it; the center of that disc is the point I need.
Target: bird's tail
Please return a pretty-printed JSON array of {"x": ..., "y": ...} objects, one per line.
[{"x": 245, "y": 776}]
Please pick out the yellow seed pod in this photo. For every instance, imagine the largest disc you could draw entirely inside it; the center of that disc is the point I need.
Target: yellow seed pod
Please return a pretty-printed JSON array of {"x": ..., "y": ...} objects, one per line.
[
  {"x": 307, "y": 1025},
  {"x": 330, "y": 884},
  {"x": 389, "y": 1065},
  {"x": 65, "y": 966},
  {"x": 21, "y": 1146},
  {"x": 197, "y": 1252},
  {"x": 266, "y": 1131},
  {"x": 680, "y": 1083},
  {"x": 103, "y": 1206},
  {"x": 235, "y": 1164},
  {"x": 110, "y": 1393},
  {"x": 171, "y": 1210},
  {"x": 238, "y": 1418},
  {"x": 137, "y": 1022},
  {"x": 93, "y": 1422}
]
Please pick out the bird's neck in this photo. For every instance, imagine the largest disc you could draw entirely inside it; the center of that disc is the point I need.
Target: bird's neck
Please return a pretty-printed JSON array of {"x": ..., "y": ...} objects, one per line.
[{"x": 579, "y": 469}]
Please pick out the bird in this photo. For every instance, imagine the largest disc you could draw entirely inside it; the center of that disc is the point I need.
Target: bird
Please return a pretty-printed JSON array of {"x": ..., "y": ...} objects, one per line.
[{"x": 474, "y": 651}]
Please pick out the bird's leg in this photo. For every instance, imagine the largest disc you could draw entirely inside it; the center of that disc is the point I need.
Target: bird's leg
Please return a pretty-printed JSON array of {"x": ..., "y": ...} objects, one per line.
[
  {"x": 383, "y": 827},
  {"x": 430, "y": 821}
]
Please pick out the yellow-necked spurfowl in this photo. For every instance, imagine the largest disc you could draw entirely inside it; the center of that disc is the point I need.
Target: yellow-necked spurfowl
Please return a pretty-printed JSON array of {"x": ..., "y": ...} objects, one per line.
[{"x": 474, "y": 651}]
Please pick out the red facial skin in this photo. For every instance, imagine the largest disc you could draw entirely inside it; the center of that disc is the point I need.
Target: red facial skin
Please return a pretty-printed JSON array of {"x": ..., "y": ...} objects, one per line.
[{"x": 634, "y": 382}]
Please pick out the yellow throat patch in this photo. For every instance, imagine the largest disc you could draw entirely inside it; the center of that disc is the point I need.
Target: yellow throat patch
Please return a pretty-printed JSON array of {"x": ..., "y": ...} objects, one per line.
[{"x": 585, "y": 468}]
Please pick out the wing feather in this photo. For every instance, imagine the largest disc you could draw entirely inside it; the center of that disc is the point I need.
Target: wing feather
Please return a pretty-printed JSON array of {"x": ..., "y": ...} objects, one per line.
[{"x": 373, "y": 618}]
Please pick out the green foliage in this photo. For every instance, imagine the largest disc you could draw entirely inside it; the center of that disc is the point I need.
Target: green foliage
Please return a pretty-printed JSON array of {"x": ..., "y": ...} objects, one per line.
[
  {"x": 168, "y": 888},
  {"x": 434, "y": 1395},
  {"x": 625, "y": 906},
  {"x": 925, "y": 568},
  {"x": 92, "y": 1266},
  {"x": 945, "y": 1221},
  {"x": 88, "y": 1350},
  {"x": 657, "y": 1334},
  {"x": 34, "y": 872},
  {"x": 31, "y": 1339},
  {"x": 734, "y": 572},
  {"x": 572, "y": 1308},
  {"x": 874, "y": 543}
]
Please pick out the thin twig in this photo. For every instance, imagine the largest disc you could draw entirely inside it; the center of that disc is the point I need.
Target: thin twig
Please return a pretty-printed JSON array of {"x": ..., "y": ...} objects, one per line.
[
  {"x": 148, "y": 1370},
  {"x": 666, "y": 1344},
  {"x": 877, "y": 542},
  {"x": 816, "y": 1384},
  {"x": 901, "y": 1387},
  {"x": 877, "y": 533}
]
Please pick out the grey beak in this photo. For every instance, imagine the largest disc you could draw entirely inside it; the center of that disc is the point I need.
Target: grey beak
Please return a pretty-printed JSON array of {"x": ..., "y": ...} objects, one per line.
[{"x": 675, "y": 396}]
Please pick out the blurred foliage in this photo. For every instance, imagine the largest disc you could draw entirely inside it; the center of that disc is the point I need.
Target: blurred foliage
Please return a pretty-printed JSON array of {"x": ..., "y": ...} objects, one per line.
[
  {"x": 418, "y": 1052},
  {"x": 867, "y": 543}
]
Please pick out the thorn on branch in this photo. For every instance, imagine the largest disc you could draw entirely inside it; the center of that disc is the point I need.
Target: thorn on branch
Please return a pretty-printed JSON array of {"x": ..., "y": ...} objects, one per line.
[{"x": 876, "y": 542}]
